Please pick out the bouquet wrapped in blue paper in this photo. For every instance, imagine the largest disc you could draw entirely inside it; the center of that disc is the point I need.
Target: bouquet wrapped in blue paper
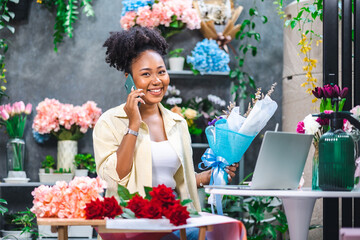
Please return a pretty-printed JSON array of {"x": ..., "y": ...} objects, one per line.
[{"x": 230, "y": 137}]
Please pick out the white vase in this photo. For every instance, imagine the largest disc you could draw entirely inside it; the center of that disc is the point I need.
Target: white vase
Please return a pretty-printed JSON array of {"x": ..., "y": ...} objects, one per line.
[
  {"x": 176, "y": 63},
  {"x": 67, "y": 149},
  {"x": 81, "y": 172}
]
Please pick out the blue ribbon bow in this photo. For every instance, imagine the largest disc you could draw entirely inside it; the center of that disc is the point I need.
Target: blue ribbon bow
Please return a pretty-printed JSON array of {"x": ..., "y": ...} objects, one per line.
[{"x": 218, "y": 174}]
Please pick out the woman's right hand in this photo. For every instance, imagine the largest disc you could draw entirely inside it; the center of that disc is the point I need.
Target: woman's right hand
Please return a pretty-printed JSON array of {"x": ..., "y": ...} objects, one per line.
[{"x": 132, "y": 108}]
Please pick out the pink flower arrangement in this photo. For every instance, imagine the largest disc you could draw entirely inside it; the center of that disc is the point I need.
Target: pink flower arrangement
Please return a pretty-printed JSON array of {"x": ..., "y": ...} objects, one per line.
[
  {"x": 167, "y": 15},
  {"x": 13, "y": 117},
  {"x": 65, "y": 200},
  {"x": 65, "y": 121}
]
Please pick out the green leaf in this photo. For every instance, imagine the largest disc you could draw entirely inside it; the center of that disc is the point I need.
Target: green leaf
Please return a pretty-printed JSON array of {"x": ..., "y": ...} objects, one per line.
[
  {"x": 122, "y": 203},
  {"x": 287, "y": 23},
  {"x": 11, "y": 28},
  {"x": 241, "y": 62},
  {"x": 299, "y": 14},
  {"x": 233, "y": 73},
  {"x": 128, "y": 214},
  {"x": 245, "y": 49},
  {"x": 252, "y": 82},
  {"x": 254, "y": 50},
  {"x": 6, "y": 18},
  {"x": 124, "y": 192},
  {"x": 185, "y": 201},
  {"x": 147, "y": 192},
  {"x": 252, "y": 12},
  {"x": 253, "y": 25},
  {"x": 293, "y": 24},
  {"x": 14, "y": 1},
  {"x": 264, "y": 19},
  {"x": 11, "y": 14},
  {"x": 312, "y": 8}
]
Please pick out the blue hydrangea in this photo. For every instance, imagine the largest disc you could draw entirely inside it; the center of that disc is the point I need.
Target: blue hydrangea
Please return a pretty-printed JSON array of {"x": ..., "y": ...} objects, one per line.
[
  {"x": 208, "y": 57},
  {"x": 40, "y": 138},
  {"x": 133, "y": 5}
]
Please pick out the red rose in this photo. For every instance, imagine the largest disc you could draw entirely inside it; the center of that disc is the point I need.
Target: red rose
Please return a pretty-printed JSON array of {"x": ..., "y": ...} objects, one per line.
[
  {"x": 111, "y": 207},
  {"x": 136, "y": 204},
  {"x": 152, "y": 210},
  {"x": 178, "y": 214},
  {"x": 94, "y": 210},
  {"x": 163, "y": 194},
  {"x": 168, "y": 210}
]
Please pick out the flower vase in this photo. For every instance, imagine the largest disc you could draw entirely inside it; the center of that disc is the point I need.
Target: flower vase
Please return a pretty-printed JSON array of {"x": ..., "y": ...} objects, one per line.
[
  {"x": 66, "y": 151},
  {"x": 315, "y": 168},
  {"x": 176, "y": 63},
  {"x": 15, "y": 149}
]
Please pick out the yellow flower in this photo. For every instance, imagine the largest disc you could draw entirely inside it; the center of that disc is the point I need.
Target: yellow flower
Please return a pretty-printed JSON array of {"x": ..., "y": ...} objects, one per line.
[
  {"x": 305, "y": 68},
  {"x": 314, "y": 100},
  {"x": 308, "y": 75},
  {"x": 318, "y": 42},
  {"x": 303, "y": 84},
  {"x": 190, "y": 113},
  {"x": 39, "y": 1},
  {"x": 5, "y": 81},
  {"x": 3, "y": 88}
]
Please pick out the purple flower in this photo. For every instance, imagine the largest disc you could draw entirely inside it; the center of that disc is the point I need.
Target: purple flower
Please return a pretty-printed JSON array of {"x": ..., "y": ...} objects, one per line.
[
  {"x": 328, "y": 91},
  {"x": 212, "y": 123},
  {"x": 343, "y": 92},
  {"x": 300, "y": 127},
  {"x": 318, "y": 92},
  {"x": 336, "y": 91},
  {"x": 323, "y": 122}
]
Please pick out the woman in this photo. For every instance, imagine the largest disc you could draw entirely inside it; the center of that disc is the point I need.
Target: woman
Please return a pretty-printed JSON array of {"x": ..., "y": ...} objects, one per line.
[{"x": 145, "y": 145}]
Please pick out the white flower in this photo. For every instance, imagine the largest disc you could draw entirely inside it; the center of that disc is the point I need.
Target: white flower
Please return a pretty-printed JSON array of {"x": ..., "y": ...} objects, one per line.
[
  {"x": 311, "y": 125},
  {"x": 198, "y": 99},
  {"x": 174, "y": 101},
  {"x": 216, "y": 100}
]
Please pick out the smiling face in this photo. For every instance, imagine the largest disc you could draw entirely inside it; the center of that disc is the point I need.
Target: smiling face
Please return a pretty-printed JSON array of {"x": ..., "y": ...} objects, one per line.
[{"x": 149, "y": 73}]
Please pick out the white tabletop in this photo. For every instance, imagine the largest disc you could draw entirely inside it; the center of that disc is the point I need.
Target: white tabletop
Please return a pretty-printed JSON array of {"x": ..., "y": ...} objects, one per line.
[{"x": 304, "y": 192}]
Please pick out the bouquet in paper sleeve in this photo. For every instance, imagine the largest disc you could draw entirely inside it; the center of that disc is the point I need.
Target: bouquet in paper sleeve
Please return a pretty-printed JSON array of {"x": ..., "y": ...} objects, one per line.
[
  {"x": 64, "y": 121},
  {"x": 230, "y": 136},
  {"x": 170, "y": 16}
]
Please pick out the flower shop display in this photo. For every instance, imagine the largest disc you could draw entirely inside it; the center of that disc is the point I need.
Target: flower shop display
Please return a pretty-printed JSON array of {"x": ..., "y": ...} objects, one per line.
[
  {"x": 317, "y": 126},
  {"x": 230, "y": 137},
  {"x": 66, "y": 122},
  {"x": 84, "y": 163},
  {"x": 176, "y": 61},
  {"x": 13, "y": 117},
  {"x": 208, "y": 57},
  {"x": 170, "y": 16}
]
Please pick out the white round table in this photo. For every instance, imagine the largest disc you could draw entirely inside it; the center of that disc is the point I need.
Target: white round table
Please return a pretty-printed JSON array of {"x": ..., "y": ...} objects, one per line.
[{"x": 298, "y": 204}]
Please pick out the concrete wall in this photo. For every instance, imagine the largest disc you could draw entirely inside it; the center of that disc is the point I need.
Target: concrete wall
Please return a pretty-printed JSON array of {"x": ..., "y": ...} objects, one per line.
[{"x": 78, "y": 72}]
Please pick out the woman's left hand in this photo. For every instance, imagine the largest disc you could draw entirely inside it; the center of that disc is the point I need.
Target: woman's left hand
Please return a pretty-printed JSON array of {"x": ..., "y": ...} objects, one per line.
[{"x": 231, "y": 169}]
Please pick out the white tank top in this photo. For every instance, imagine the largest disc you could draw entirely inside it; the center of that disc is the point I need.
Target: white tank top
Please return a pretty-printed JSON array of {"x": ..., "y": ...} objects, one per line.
[{"x": 165, "y": 163}]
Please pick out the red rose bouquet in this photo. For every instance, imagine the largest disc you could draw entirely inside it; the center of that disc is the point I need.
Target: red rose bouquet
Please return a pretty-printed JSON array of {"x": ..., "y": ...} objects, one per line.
[{"x": 159, "y": 202}]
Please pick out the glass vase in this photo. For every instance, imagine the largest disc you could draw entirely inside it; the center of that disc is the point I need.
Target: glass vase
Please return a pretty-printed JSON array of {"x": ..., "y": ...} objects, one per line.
[
  {"x": 15, "y": 149},
  {"x": 315, "y": 168}
]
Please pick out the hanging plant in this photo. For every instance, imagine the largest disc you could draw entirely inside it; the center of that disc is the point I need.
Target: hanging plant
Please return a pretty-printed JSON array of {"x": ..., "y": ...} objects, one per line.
[
  {"x": 248, "y": 38},
  {"x": 5, "y": 16},
  {"x": 67, "y": 12},
  {"x": 303, "y": 22}
]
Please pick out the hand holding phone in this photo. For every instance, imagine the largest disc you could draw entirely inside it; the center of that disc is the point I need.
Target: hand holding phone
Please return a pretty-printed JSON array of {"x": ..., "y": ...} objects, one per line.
[{"x": 129, "y": 84}]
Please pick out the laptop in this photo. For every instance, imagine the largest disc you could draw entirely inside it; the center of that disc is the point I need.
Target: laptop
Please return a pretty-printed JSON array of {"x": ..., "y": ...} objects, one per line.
[{"x": 280, "y": 162}]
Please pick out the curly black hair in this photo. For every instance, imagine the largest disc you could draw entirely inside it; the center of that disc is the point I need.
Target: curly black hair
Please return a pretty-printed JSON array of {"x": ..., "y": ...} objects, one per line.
[{"x": 125, "y": 46}]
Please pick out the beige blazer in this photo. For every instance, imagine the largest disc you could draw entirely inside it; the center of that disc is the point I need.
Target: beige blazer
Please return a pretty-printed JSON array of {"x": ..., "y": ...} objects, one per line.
[{"x": 107, "y": 136}]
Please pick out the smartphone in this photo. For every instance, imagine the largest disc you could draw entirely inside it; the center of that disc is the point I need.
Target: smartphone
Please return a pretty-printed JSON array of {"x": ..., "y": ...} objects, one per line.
[{"x": 129, "y": 84}]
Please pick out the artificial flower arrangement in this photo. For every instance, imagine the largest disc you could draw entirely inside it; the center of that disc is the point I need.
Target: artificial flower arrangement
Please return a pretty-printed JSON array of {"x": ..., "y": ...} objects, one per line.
[
  {"x": 317, "y": 126},
  {"x": 13, "y": 117},
  {"x": 230, "y": 135},
  {"x": 208, "y": 57},
  {"x": 81, "y": 199},
  {"x": 170, "y": 16},
  {"x": 64, "y": 121}
]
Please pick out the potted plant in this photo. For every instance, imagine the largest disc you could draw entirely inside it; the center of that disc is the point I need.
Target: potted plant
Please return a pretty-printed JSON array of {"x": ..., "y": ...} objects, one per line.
[
  {"x": 49, "y": 175},
  {"x": 176, "y": 61},
  {"x": 20, "y": 225},
  {"x": 84, "y": 163},
  {"x": 47, "y": 166}
]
